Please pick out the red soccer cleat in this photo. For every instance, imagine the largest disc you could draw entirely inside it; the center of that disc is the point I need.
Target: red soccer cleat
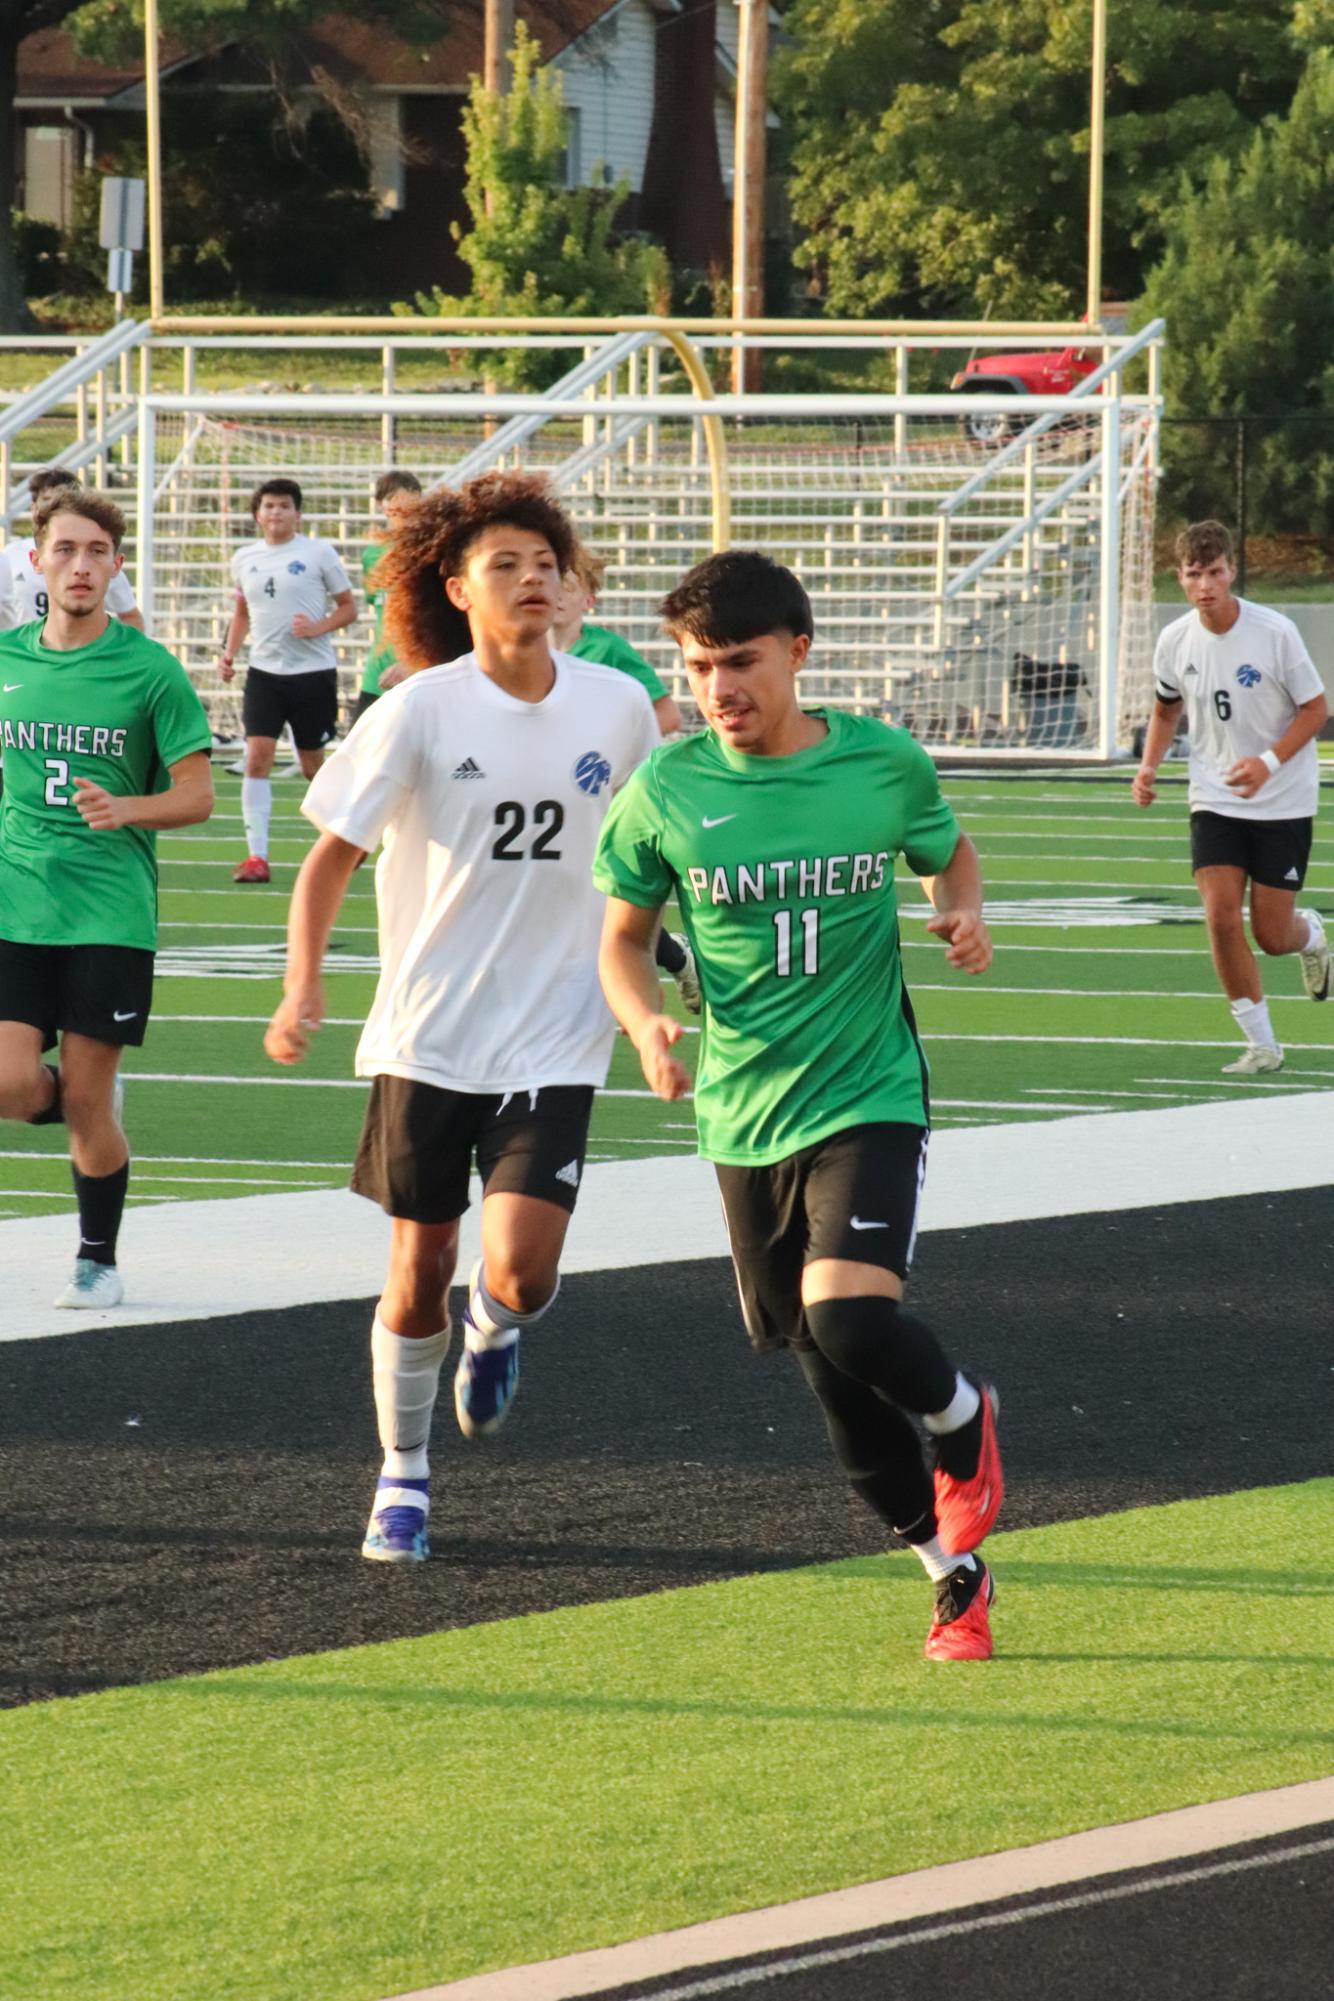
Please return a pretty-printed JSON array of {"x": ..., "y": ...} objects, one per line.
[
  {"x": 966, "y": 1510},
  {"x": 255, "y": 869},
  {"x": 961, "y": 1629}
]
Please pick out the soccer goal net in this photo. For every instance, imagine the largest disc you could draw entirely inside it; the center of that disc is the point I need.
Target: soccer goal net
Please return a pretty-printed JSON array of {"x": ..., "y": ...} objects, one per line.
[{"x": 993, "y": 595}]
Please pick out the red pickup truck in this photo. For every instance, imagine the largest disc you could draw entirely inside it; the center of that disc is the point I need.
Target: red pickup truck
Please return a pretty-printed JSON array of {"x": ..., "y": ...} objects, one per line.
[{"x": 1037, "y": 372}]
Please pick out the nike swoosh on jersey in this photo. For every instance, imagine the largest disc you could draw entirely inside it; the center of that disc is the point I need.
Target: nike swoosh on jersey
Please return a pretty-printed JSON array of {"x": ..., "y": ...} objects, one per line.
[
  {"x": 720, "y": 821},
  {"x": 858, "y": 1224},
  {"x": 10, "y": 686}
]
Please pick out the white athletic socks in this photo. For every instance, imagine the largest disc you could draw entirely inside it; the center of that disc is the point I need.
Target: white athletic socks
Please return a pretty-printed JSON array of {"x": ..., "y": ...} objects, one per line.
[
  {"x": 1252, "y": 1018},
  {"x": 406, "y": 1376},
  {"x": 962, "y": 1407},
  {"x": 939, "y": 1562},
  {"x": 256, "y": 808},
  {"x": 1315, "y": 930},
  {"x": 491, "y": 1325}
]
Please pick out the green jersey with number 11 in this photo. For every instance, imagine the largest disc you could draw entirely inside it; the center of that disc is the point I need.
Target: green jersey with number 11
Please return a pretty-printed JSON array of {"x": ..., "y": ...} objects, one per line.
[
  {"x": 119, "y": 711},
  {"x": 784, "y": 869}
]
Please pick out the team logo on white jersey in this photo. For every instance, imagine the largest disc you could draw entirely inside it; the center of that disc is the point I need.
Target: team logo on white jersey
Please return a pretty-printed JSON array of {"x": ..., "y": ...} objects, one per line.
[
  {"x": 295, "y": 567},
  {"x": 592, "y": 772},
  {"x": 1249, "y": 677}
]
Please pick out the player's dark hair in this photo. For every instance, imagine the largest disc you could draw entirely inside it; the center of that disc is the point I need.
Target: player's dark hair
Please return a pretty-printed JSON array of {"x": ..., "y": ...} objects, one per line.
[
  {"x": 421, "y": 625},
  {"x": 47, "y": 478},
  {"x": 73, "y": 500},
  {"x": 1204, "y": 542},
  {"x": 396, "y": 482},
  {"x": 739, "y": 595},
  {"x": 284, "y": 488}
]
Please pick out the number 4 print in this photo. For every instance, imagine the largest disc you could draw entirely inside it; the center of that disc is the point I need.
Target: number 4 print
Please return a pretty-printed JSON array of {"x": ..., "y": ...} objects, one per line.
[{"x": 810, "y": 942}]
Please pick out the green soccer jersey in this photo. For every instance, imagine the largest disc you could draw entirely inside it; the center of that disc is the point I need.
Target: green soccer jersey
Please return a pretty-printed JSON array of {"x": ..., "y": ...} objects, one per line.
[
  {"x": 608, "y": 649},
  {"x": 119, "y": 711},
  {"x": 380, "y": 655},
  {"x": 784, "y": 868}
]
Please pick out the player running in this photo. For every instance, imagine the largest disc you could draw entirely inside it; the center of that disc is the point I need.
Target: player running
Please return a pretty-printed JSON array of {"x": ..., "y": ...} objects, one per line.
[
  {"x": 572, "y": 634},
  {"x": 30, "y": 596},
  {"x": 105, "y": 742},
  {"x": 777, "y": 828},
  {"x": 396, "y": 495},
  {"x": 487, "y": 780},
  {"x": 285, "y": 583},
  {"x": 1254, "y": 705}
]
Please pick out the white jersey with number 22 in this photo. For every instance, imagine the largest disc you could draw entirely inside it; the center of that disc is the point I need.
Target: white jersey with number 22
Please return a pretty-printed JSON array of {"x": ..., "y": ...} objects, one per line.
[{"x": 489, "y": 809}]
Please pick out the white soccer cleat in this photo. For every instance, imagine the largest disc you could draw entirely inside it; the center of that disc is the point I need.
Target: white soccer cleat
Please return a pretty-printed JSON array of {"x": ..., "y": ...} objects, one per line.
[
  {"x": 92, "y": 1287},
  {"x": 1256, "y": 1061},
  {"x": 1315, "y": 961}
]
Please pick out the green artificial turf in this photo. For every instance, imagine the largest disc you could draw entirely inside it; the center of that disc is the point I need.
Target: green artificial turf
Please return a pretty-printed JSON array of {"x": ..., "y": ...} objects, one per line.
[
  {"x": 347, "y": 1826},
  {"x": 1105, "y": 1001}
]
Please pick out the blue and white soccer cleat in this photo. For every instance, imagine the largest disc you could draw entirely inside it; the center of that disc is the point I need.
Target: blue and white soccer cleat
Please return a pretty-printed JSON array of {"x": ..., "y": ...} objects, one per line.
[
  {"x": 484, "y": 1385},
  {"x": 92, "y": 1287},
  {"x": 396, "y": 1532}
]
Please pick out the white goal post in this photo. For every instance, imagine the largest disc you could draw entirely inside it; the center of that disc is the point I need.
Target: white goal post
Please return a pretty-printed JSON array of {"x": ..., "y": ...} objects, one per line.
[{"x": 995, "y": 597}]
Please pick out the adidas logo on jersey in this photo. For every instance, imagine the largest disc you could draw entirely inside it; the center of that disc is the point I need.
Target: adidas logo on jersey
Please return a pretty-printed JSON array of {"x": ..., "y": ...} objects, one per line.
[
  {"x": 1192, "y": 669},
  {"x": 469, "y": 768},
  {"x": 569, "y": 1174}
]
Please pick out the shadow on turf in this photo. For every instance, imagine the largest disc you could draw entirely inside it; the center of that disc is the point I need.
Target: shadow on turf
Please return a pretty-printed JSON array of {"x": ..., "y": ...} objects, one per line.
[
  {"x": 1118, "y": 1577},
  {"x": 243, "y": 1683}
]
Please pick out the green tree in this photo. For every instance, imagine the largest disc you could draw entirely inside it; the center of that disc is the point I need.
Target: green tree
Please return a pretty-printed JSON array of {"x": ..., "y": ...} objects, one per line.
[
  {"x": 939, "y": 148},
  {"x": 535, "y": 246},
  {"x": 1246, "y": 285}
]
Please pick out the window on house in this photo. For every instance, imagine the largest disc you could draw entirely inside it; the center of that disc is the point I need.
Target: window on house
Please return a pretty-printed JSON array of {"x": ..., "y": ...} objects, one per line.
[
  {"x": 570, "y": 167},
  {"x": 49, "y": 165}
]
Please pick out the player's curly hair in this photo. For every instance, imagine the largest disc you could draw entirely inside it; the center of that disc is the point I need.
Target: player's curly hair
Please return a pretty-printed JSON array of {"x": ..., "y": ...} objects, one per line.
[
  {"x": 1204, "y": 542},
  {"x": 421, "y": 625}
]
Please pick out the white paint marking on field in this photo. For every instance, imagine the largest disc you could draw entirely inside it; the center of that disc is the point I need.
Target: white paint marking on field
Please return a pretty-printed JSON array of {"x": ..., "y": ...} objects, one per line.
[
  {"x": 1162, "y": 1839},
  {"x": 181, "y": 1262},
  {"x": 956, "y": 986},
  {"x": 182, "y": 1160}
]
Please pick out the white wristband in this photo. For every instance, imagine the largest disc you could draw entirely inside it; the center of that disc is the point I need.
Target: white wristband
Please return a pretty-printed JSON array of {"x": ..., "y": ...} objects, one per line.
[{"x": 1270, "y": 760}]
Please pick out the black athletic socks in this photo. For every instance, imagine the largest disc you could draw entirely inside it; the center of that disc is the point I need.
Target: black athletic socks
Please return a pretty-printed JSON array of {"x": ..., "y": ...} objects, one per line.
[
  {"x": 668, "y": 954},
  {"x": 101, "y": 1200},
  {"x": 874, "y": 1341},
  {"x": 54, "y": 1114}
]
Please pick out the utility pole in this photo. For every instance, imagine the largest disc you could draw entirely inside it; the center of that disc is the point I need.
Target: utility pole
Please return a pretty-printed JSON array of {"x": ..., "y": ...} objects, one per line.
[
  {"x": 153, "y": 107},
  {"x": 1097, "y": 125},
  {"x": 499, "y": 41},
  {"x": 749, "y": 168}
]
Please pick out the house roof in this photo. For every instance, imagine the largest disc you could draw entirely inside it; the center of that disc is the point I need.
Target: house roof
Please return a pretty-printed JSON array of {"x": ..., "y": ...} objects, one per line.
[{"x": 351, "y": 52}]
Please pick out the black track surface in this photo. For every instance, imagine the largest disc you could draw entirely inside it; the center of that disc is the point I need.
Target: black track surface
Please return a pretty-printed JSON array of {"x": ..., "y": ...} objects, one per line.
[
  {"x": 178, "y": 1498},
  {"x": 1264, "y": 1933}
]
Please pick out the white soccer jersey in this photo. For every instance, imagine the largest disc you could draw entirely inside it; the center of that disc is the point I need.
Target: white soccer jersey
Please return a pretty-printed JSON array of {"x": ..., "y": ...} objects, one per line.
[
  {"x": 8, "y": 608},
  {"x": 1241, "y": 690},
  {"x": 277, "y": 581},
  {"x": 489, "y": 809},
  {"x": 30, "y": 599}
]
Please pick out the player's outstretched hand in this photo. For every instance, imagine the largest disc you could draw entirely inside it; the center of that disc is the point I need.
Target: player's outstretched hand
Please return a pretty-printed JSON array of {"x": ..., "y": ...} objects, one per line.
[
  {"x": 967, "y": 937},
  {"x": 662, "y": 1072},
  {"x": 1247, "y": 775},
  {"x": 287, "y": 1037},
  {"x": 98, "y": 808},
  {"x": 1144, "y": 786}
]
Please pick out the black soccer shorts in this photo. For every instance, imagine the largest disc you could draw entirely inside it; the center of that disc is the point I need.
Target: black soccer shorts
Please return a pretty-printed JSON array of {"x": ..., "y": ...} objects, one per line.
[
  {"x": 854, "y": 1195},
  {"x": 1274, "y": 853},
  {"x": 102, "y": 991},
  {"x": 309, "y": 702},
  {"x": 418, "y": 1142}
]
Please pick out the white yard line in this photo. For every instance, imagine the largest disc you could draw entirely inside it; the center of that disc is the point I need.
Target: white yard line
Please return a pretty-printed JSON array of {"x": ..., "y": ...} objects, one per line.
[
  {"x": 1160, "y": 1840},
  {"x": 183, "y": 1260}
]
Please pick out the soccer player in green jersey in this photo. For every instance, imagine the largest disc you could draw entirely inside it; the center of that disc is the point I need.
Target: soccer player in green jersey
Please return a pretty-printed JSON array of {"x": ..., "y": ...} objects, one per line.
[
  {"x": 396, "y": 496},
  {"x": 778, "y": 828},
  {"x": 105, "y": 742}
]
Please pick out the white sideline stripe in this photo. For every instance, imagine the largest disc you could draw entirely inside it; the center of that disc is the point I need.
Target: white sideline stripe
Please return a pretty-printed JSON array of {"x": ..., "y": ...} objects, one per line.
[
  {"x": 181, "y": 1260},
  {"x": 182, "y": 1160},
  {"x": 954, "y": 1886}
]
